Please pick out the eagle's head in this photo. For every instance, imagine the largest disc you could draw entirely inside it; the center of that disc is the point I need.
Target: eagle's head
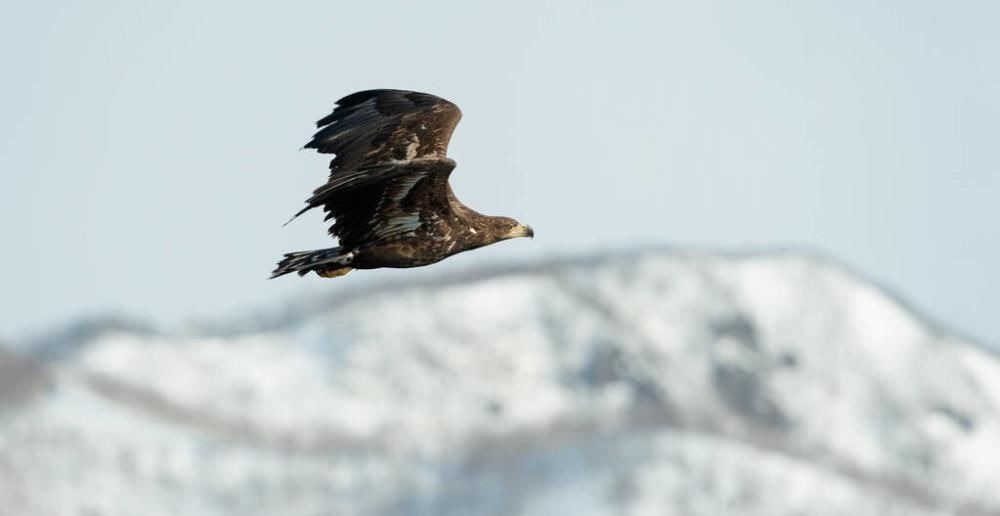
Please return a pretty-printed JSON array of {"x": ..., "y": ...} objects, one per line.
[{"x": 505, "y": 228}]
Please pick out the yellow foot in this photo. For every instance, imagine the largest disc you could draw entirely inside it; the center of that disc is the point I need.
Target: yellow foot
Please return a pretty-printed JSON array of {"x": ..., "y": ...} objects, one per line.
[{"x": 333, "y": 273}]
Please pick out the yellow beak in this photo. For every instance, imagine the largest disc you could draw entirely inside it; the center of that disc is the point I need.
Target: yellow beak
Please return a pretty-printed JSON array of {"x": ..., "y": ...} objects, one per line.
[{"x": 521, "y": 230}]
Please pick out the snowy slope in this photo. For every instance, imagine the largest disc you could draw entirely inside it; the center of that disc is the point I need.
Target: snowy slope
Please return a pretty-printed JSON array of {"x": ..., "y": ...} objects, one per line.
[{"x": 649, "y": 383}]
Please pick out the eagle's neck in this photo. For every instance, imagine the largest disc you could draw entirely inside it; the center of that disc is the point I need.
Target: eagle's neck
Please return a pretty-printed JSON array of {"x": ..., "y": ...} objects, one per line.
[
  {"x": 476, "y": 229},
  {"x": 462, "y": 212}
]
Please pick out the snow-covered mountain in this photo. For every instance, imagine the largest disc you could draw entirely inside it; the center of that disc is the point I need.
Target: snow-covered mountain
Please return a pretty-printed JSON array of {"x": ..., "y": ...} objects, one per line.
[{"x": 640, "y": 384}]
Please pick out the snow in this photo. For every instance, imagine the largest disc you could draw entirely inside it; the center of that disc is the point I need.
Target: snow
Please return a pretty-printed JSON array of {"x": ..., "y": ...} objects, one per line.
[{"x": 651, "y": 383}]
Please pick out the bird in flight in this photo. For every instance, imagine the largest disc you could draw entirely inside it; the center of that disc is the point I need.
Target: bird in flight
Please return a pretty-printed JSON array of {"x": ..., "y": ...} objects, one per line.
[{"x": 388, "y": 193}]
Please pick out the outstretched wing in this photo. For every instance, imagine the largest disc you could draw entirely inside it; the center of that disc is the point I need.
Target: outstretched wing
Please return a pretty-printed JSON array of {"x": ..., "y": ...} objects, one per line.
[
  {"x": 378, "y": 126},
  {"x": 385, "y": 142},
  {"x": 385, "y": 202}
]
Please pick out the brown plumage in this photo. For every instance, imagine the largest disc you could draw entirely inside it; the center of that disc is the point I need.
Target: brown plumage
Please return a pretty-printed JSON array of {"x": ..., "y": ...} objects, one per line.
[{"x": 388, "y": 193}]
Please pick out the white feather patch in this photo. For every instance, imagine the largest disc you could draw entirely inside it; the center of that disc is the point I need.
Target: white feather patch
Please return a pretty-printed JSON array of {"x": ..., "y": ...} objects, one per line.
[
  {"x": 403, "y": 224},
  {"x": 411, "y": 148},
  {"x": 404, "y": 187}
]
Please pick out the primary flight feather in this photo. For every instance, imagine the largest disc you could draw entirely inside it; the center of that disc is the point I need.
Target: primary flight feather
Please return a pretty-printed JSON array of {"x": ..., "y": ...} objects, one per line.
[{"x": 388, "y": 193}]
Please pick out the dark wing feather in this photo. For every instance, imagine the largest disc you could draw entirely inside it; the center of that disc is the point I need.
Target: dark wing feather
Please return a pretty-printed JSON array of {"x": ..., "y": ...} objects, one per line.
[
  {"x": 376, "y": 135},
  {"x": 394, "y": 201},
  {"x": 375, "y": 126}
]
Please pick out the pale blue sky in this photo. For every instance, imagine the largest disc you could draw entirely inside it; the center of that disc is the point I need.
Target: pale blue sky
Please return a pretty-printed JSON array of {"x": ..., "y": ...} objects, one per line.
[{"x": 149, "y": 151}]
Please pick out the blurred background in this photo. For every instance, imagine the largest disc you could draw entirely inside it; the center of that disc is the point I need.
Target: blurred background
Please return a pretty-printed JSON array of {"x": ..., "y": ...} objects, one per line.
[{"x": 764, "y": 279}]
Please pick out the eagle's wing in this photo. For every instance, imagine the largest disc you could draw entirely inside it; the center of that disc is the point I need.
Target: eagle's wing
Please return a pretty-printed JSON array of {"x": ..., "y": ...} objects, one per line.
[
  {"x": 384, "y": 202},
  {"x": 385, "y": 141},
  {"x": 379, "y": 126}
]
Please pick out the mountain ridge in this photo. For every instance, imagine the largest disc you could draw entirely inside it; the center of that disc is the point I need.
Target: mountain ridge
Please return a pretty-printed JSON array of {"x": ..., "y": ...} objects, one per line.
[
  {"x": 677, "y": 369},
  {"x": 303, "y": 305}
]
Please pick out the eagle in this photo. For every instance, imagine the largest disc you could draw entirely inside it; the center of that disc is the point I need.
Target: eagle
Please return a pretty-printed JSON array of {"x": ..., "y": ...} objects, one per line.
[{"x": 388, "y": 193}]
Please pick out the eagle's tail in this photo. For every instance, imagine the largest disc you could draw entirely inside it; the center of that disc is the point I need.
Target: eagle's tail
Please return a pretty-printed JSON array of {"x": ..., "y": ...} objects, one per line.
[{"x": 328, "y": 263}]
